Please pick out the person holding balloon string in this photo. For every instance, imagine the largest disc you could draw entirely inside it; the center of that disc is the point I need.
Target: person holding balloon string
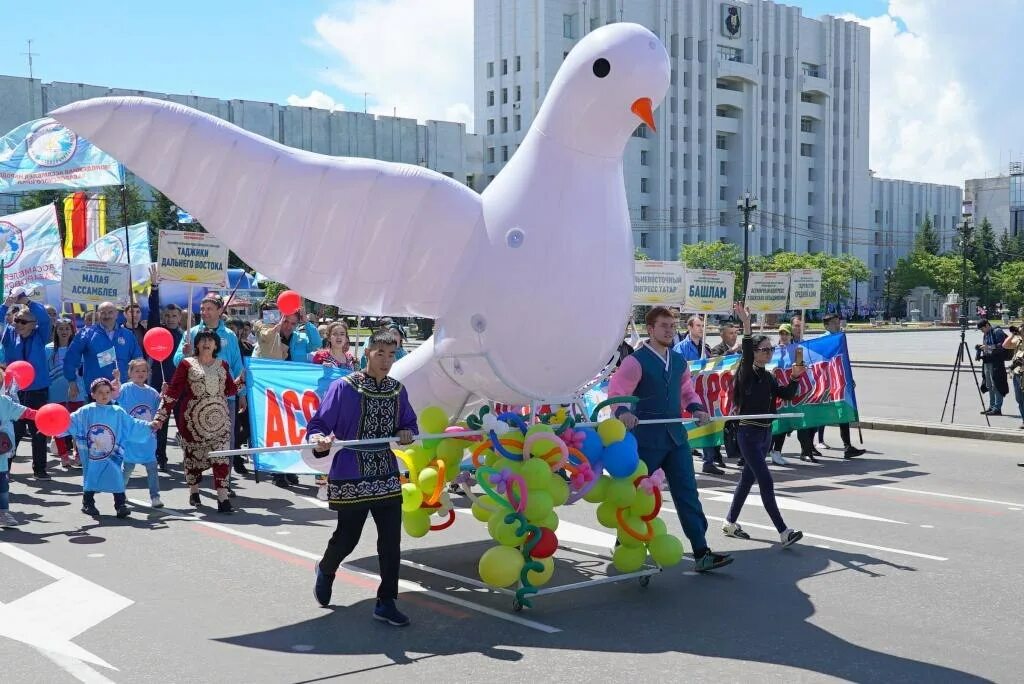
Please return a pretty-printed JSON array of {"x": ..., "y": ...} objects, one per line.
[
  {"x": 163, "y": 335},
  {"x": 756, "y": 392},
  {"x": 10, "y": 411},
  {"x": 63, "y": 332},
  {"x": 199, "y": 393},
  {"x": 365, "y": 405}
]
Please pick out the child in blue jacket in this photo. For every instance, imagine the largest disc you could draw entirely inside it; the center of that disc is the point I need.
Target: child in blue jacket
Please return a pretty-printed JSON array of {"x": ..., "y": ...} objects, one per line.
[
  {"x": 141, "y": 402},
  {"x": 10, "y": 411}
]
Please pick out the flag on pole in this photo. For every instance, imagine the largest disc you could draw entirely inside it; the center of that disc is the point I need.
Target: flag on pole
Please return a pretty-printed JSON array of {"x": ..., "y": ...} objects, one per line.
[
  {"x": 44, "y": 155},
  {"x": 85, "y": 221},
  {"x": 185, "y": 217},
  {"x": 30, "y": 248}
]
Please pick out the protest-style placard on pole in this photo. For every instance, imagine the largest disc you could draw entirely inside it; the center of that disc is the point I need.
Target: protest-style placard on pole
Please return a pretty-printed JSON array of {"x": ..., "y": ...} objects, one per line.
[
  {"x": 197, "y": 258},
  {"x": 709, "y": 292},
  {"x": 805, "y": 289},
  {"x": 767, "y": 292},
  {"x": 95, "y": 282},
  {"x": 657, "y": 282}
]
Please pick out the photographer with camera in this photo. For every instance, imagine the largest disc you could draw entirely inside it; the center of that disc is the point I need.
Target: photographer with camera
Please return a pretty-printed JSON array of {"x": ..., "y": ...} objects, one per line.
[
  {"x": 993, "y": 357},
  {"x": 1014, "y": 344}
]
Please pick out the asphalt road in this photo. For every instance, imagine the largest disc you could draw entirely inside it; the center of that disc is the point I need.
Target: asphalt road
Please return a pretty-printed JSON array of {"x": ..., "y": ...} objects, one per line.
[{"x": 909, "y": 571}]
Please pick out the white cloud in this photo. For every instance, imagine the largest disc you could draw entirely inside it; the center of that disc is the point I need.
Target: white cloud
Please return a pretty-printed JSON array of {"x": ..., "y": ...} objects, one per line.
[
  {"x": 317, "y": 99},
  {"x": 412, "y": 56},
  {"x": 943, "y": 91}
]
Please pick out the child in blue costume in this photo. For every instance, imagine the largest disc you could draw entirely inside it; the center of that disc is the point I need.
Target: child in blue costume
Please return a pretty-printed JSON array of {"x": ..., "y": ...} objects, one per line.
[
  {"x": 10, "y": 411},
  {"x": 101, "y": 429},
  {"x": 141, "y": 402}
]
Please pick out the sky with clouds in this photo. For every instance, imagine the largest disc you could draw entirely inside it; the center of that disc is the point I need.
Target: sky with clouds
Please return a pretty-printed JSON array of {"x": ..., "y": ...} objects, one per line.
[{"x": 944, "y": 89}]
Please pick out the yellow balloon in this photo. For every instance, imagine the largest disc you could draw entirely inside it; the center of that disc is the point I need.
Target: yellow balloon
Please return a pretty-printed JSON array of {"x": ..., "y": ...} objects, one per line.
[
  {"x": 432, "y": 420},
  {"x": 451, "y": 452},
  {"x": 635, "y": 524},
  {"x": 490, "y": 458},
  {"x": 559, "y": 489},
  {"x": 611, "y": 431},
  {"x": 420, "y": 457},
  {"x": 539, "y": 579},
  {"x": 659, "y": 527},
  {"x": 537, "y": 474},
  {"x": 629, "y": 558},
  {"x": 621, "y": 492},
  {"x": 666, "y": 550},
  {"x": 599, "y": 492},
  {"x": 416, "y": 523},
  {"x": 550, "y": 522},
  {"x": 641, "y": 471},
  {"x": 502, "y": 532},
  {"x": 412, "y": 497},
  {"x": 428, "y": 481},
  {"x": 481, "y": 510},
  {"x": 606, "y": 514},
  {"x": 500, "y": 566},
  {"x": 643, "y": 503}
]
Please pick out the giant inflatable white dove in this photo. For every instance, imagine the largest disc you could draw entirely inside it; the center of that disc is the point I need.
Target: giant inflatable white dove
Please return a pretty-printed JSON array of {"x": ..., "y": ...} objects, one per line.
[{"x": 530, "y": 282}]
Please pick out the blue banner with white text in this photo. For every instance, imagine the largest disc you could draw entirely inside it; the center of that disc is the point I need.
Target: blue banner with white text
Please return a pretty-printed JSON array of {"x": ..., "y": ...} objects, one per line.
[{"x": 44, "y": 155}]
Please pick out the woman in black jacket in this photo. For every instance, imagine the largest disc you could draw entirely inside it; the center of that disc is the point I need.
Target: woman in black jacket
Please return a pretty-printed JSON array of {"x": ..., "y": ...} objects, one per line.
[{"x": 755, "y": 391}]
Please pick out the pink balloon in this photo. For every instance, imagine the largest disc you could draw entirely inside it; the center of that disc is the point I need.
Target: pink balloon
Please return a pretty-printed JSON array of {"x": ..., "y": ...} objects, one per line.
[
  {"x": 21, "y": 372},
  {"x": 53, "y": 420},
  {"x": 159, "y": 343},
  {"x": 288, "y": 302}
]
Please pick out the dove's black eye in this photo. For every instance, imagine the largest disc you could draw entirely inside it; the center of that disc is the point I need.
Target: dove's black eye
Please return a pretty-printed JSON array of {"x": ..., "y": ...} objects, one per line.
[{"x": 602, "y": 68}]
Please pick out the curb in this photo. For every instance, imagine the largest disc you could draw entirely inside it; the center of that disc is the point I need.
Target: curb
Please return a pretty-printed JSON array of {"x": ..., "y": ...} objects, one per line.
[{"x": 944, "y": 430}]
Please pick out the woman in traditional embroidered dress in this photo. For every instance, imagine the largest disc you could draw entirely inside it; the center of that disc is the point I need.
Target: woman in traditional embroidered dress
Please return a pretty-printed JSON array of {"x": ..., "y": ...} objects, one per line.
[{"x": 198, "y": 392}]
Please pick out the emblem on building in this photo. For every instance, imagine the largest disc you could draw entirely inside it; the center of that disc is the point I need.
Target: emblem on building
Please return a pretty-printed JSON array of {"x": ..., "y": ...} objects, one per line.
[{"x": 730, "y": 21}]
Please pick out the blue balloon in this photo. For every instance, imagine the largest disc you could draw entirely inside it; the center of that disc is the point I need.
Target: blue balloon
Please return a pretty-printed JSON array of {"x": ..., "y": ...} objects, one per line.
[
  {"x": 592, "y": 445},
  {"x": 621, "y": 458}
]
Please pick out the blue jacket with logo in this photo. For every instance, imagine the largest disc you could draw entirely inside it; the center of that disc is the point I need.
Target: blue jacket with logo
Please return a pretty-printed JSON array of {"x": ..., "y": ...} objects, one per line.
[
  {"x": 31, "y": 348},
  {"x": 229, "y": 349},
  {"x": 92, "y": 348}
]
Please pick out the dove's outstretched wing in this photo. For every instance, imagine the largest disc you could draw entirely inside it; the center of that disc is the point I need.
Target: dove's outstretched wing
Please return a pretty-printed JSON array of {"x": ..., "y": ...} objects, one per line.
[{"x": 369, "y": 236}]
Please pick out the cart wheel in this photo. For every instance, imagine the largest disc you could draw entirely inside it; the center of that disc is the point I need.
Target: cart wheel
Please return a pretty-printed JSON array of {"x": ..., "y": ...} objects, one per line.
[
  {"x": 645, "y": 580},
  {"x": 517, "y": 605}
]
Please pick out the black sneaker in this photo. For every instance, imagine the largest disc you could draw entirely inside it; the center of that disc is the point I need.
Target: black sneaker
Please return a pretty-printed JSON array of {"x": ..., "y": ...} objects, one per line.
[
  {"x": 790, "y": 537},
  {"x": 90, "y": 509},
  {"x": 281, "y": 481},
  {"x": 322, "y": 587},
  {"x": 853, "y": 452},
  {"x": 194, "y": 500},
  {"x": 123, "y": 512},
  {"x": 808, "y": 457},
  {"x": 712, "y": 561},
  {"x": 292, "y": 479},
  {"x": 387, "y": 611},
  {"x": 719, "y": 461},
  {"x": 225, "y": 506},
  {"x": 711, "y": 469},
  {"x": 43, "y": 475}
]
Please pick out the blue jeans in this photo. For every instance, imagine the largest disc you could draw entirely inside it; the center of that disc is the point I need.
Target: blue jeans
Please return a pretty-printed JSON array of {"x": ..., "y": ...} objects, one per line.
[
  {"x": 5, "y": 490},
  {"x": 682, "y": 484},
  {"x": 995, "y": 399},
  {"x": 754, "y": 443},
  {"x": 151, "y": 476}
]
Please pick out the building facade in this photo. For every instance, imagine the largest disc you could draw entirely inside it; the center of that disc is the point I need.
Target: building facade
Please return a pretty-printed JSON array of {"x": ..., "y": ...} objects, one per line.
[
  {"x": 1000, "y": 199},
  {"x": 898, "y": 209},
  {"x": 439, "y": 145},
  {"x": 762, "y": 100}
]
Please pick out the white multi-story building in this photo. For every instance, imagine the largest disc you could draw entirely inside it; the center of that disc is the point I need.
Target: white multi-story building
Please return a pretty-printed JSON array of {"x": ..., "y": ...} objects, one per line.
[
  {"x": 762, "y": 100},
  {"x": 440, "y": 145},
  {"x": 899, "y": 208}
]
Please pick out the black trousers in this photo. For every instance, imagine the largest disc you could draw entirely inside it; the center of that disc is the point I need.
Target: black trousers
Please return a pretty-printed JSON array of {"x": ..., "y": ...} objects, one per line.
[
  {"x": 388, "y": 518},
  {"x": 161, "y": 443},
  {"x": 33, "y": 399},
  {"x": 806, "y": 437}
]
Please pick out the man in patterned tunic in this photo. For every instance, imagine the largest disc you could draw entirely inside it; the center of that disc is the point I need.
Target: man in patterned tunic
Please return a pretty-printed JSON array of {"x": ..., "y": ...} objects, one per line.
[{"x": 365, "y": 405}]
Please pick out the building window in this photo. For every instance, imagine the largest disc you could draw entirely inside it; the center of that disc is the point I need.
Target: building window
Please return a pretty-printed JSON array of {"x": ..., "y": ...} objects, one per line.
[
  {"x": 809, "y": 69},
  {"x": 672, "y": 241},
  {"x": 806, "y": 150},
  {"x": 504, "y": 67},
  {"x": 519, "y": 93},
  {"x": 490, "y": 155},
  {"x": 810, "y": 174},
  {"x": 643, "y": 236},
  {"x": 806, "y": 124},
  {"x": 569, "y": 26},
  {"x": 723, "y": 217},
  {"x": 723, "y": 168},
  {"x": 730, "y": 54},
  {"x": 504, "y": 124},
  {"x": 643, "y": 158},
  {"x": 490, "y": 127},
  {"x": 490, "y": 98},
  {"x": 490, "y": 70},
  {"x": 504, "y": 96},
  {"x": 536, "y": 89},
  {"x": 517, "y": 122},
  {"x": 641, "y": 131},
  {"x": 643, "y": 185},
  {"x": 720, "y": 142},
  {"x": 504, "y": 153},
  {"x": 810, "y": 198},
  {"x": 806, "y": 97},
  {"x": 519, "y": 63},
  {"x": 672, "y": 187},
  {"x": 672, "y": 132},
  {"x": 722, "y": 193},
  {"x": 644, "y": 211}
]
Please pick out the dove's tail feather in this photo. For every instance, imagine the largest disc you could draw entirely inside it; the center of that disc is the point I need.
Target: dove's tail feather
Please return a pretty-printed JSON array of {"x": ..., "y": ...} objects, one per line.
[{"x": 428, "y": 384}]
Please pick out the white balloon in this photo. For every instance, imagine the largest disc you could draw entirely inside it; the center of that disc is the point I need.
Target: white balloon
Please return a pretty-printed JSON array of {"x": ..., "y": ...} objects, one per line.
[{"x": 530, "y": 283}]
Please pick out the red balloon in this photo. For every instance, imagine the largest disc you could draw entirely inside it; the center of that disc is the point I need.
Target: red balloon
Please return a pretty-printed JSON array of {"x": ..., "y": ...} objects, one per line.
[
  {"x": 547, "y": 545},
  {"x": 288, "y": 302},
  {"x": 21, "y": 372},
  {"x": 159, "y": 343},
  {"x": 53, "y": 420}
]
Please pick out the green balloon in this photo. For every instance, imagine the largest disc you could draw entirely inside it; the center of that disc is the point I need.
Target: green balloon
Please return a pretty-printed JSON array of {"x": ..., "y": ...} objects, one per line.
[
  {"x": 599, "y": 492},
  {"x": 428, "y": 481},
  {"x": 502, "y": 532},
  {"x": 550, "y": 522},
  {"x": 621, "y": 492},
  {"x": 539, "y": 579},
  {"x": 629, "y": 558},
  {"x": 666, "y": 550},
  {"x": 643, "y": 503},
  {"x": 659, "y": 526},
  {"x": 432, "y": 420},
  {"x": 500, "y": 566},
  {"x": 537, "y": 474},
  {"x": 559, "y": 489},
  {"x": 635, "y": 524},
  {"x": 490, "y": 459},
  {"x": 412, "y": 497},
  {"x": 641, "y": 471},
  {"x": 416, "y": 523},
  {"x": 483, "y": 511},
  {"x": 538, "y": 505},
  {"x": 606, "y": 514}
]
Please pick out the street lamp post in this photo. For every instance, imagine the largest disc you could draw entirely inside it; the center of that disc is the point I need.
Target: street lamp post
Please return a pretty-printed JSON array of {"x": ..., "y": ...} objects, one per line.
[
  {"x": 967, "y": 211},
  {"x": 747, "y": 206}
]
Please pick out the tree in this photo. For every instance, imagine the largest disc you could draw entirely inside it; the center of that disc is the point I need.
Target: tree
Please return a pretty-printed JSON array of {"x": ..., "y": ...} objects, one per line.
[
  {"x": 137, "y": 212},
  {"x": 1011, "y": 248},
  {"x": 985, "y": 258},
  {"x": 941, "y": 273},
  {"x": 1009, "y": 282},
  {"x": 927, "y": 240},
  {"x": 639, "y": 255},
  {"x": 40, "y": 198},
  {"x": 715, "y": 256}
]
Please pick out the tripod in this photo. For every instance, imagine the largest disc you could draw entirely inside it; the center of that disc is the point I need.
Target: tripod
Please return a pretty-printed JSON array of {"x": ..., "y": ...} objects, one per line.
[{"x": 954, "y": 380}]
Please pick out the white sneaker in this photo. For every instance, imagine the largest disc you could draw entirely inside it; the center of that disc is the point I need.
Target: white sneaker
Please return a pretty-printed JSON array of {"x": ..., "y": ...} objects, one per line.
[
  {"x": 734, "y": 530},
  {"x": 778, "y": 459},
  {"x": 790, "y": 537},
  {"x": 155, "y": 502},
  {"x": 321, "y": 493},
  {"x": 822, "y": 445},
  {"x": 7, "y": 519}
]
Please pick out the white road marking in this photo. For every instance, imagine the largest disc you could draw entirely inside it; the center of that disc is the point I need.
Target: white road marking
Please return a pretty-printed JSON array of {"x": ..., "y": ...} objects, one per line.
[
  {"x": 790, "y": 504},
  {"x": 949, "y": 496},
  {"x": 76, "y": 668},
  {"x": 1013, "y": 509},
  {"x": 579, "y": 534},
  {"x": 48, "y": 618},
  {"x": 408, "y": 585},
  {"x": 847, "y": 542},
  {"x": 96, "y": 555},
  {"x": 303, "y": 648},
  {"x": 928, "y": 527}
]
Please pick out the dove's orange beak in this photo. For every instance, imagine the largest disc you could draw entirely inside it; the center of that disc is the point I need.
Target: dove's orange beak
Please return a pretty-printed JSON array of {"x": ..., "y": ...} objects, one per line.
[{"x": 642, "y": 108}]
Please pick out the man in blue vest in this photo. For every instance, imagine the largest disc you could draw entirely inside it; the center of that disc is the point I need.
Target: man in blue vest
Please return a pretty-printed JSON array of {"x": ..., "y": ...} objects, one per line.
[
  {"x": 660, "y": 377},
  {"x": 99, "y": 350},
  {"x": 25, "y": 339}
]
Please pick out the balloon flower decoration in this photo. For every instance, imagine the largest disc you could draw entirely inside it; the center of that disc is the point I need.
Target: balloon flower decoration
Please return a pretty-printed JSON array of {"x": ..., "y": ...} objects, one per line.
[{"x": 526, "y": 472}]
